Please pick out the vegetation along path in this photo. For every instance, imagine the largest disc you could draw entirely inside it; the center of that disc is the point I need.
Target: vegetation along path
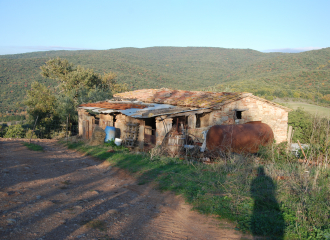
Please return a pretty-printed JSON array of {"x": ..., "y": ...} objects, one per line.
[{"x": 60, "y": 194}]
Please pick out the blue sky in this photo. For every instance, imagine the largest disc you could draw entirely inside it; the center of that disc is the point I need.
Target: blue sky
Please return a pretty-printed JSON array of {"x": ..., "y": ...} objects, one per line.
[{"x": 28, "y": 26}]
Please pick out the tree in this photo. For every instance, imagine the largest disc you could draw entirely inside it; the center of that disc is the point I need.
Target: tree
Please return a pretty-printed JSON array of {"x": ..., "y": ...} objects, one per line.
[
  {"x": 41, "y": 102},
  {"x": 72, "y": 79},
  {"x": 77, "y": 85},
  {"x": 109, "y": 80}
]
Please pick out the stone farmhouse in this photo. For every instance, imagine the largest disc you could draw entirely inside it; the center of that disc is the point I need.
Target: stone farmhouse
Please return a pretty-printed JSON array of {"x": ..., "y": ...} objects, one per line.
[{"x": 144, "y": 117}]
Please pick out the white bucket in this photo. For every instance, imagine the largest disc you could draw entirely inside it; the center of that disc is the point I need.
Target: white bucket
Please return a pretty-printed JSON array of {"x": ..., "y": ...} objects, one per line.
[{"x": 118, "y": 141}]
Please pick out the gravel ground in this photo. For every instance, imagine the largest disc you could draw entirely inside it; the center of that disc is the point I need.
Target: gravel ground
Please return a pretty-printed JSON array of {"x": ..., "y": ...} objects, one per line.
[{"x": 62, "y": 194}]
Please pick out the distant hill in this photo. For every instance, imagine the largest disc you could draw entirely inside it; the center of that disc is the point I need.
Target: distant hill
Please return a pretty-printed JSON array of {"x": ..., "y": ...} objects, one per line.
[
  {"x": 290, "y": 50},
  {"x": 305, "y": 74}
]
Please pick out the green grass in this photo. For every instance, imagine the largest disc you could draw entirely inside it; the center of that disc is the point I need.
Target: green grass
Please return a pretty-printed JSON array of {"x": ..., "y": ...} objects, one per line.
[
  {"x": 310, "y": 108},
  {"x": 262, "y": 204},
  {"x": 33, "y": 147}
]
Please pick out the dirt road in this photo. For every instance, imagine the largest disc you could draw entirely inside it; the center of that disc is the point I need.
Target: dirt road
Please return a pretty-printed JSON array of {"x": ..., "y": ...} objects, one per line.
[{"x": 61, "y": 194}]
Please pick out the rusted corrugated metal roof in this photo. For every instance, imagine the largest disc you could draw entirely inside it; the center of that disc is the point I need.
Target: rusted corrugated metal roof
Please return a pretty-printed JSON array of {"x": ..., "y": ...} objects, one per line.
[
  {"x": 198, "y": 99},
  {"x": 134, "y": 108},
  {"x": 155, "y": 102},
  {"x": 115, "y": 106}
]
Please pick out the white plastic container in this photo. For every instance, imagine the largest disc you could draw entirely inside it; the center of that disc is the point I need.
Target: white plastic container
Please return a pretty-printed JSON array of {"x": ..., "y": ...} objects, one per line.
[{"x": 118, "y": 141}]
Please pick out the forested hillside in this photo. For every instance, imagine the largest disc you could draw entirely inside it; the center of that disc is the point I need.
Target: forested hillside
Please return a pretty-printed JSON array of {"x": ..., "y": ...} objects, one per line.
[{"x": 305, "y": 75}]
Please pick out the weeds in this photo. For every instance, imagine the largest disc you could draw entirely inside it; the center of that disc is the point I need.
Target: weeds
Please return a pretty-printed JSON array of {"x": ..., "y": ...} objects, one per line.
[
  {"x": 96, "y": 224},
  {"x": 269, "y": 194},
  {"x": 33, "y": 147},
  {"x": 111, "y": 143}
]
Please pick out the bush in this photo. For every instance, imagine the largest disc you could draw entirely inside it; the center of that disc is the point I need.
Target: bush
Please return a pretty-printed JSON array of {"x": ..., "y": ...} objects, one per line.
[
  {"x": 15, "y": 131},
  {"x": 3, "y": 130},
  {"x": 302, "y": 124},
  {"x": 30, "y": 134},
  {"x": 311, "y": 130}
]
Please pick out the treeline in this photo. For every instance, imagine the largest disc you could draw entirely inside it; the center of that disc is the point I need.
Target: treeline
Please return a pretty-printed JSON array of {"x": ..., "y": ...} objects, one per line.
[
  {"x": 303, "y": 75},
  {"x": 10, "y": 118}
]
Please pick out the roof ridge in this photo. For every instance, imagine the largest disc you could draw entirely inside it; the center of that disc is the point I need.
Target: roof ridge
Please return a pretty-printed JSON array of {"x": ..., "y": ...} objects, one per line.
[{"x": 199, "y": 99}]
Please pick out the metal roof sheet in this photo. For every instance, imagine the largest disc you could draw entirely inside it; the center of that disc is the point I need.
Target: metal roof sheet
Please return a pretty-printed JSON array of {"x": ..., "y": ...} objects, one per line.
[
  {"x": 146, "y": 103},
  {"x": 148, "y": 110}
]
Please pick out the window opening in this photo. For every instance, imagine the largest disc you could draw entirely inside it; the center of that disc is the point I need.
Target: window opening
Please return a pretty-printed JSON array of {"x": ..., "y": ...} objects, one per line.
[
  {"x": 95, "y": 121},
  {"x": 198, "y": 120},
  {"x": 238, "y": 115}
]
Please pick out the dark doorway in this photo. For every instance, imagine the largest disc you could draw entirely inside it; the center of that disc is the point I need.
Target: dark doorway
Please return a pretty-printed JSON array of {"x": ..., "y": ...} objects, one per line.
[
  {"x": 149, "y": 132},
  {"x": 179, "y": 124}
]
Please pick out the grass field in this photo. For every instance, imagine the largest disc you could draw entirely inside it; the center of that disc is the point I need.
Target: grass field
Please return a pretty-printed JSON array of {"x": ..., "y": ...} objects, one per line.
[{"x": 310, "y": 108}]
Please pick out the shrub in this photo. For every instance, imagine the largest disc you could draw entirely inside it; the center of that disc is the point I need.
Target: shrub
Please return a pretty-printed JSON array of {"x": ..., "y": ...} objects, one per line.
[
  {"x": 15, "y": 131},
  {"x": 30, "y": 134},
  {"x": 302, "y": 124},
  {"x": 3, "y": 130}
]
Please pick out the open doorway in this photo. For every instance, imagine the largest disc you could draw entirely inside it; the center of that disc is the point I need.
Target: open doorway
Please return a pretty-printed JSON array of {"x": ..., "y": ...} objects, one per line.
[
  {"x": 149, "y": 132},
  {"x": 180, "y": 124}
]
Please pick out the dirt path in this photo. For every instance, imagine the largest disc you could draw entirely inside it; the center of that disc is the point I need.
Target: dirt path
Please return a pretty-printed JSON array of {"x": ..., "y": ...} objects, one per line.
[{"x": 60, "y": 194}]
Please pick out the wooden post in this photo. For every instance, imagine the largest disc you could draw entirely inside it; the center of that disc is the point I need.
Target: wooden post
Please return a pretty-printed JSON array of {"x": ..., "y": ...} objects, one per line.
[
  {"x": 302, "y": 150},
  {"x": 67, "y": 123},
  {"x": 289, "y": 139},
  {"x": 34, "y": 128},
  {"x": 289, "y": 134}
]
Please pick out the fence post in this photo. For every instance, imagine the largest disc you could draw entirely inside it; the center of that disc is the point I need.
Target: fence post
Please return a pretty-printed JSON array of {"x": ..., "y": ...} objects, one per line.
[
  {"x": 34, "y": 128},
  {"x": 67, "y": 123}
]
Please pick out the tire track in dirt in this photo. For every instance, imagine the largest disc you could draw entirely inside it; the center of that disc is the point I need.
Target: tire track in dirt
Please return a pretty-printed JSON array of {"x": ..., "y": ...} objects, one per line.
[{"x": 61, "y": 194}]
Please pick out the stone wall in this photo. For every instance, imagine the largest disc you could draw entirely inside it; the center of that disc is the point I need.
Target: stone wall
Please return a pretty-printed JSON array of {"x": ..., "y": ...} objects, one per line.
[
  {"x": 251, "y": 108},
  {"x": 120, "y": 125},
  {"x": 254, "y": 109},
  {"x": 106, "y": 120}
]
